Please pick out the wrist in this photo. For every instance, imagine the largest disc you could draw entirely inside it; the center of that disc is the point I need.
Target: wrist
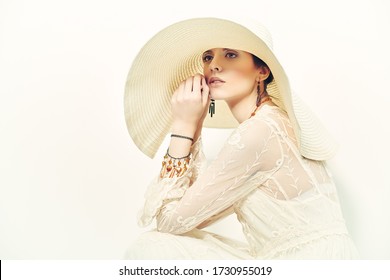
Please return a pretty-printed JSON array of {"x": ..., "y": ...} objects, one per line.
[
  {"x": 198, "y": 132},
  {"x": 183, "y": 128}
]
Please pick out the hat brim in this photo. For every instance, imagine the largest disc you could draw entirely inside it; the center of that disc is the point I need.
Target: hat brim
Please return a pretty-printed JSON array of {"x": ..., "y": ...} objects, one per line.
[{"x": 175, "y": 53}]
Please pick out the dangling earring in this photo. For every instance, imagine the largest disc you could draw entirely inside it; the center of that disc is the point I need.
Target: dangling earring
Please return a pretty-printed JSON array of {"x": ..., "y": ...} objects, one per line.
[
  {"x": 212, "y": 108},
  {"x": 258, "y": 100}
]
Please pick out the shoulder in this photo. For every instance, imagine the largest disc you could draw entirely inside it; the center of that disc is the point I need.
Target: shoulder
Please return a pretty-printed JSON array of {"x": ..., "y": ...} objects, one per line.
[
  {"x": 252, "y": 133},
  {"x": 265, "y": 121},
  {"x": 274, "y": 112},
  {"x": 279, "y": 122}
]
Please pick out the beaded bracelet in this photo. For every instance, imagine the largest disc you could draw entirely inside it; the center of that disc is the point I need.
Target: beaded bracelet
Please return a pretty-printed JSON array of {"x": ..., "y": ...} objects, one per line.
[
  {"x": 181, "y": 136},
  {"x": 172, "y": 166},
  {"x": 176, "y": 157}
]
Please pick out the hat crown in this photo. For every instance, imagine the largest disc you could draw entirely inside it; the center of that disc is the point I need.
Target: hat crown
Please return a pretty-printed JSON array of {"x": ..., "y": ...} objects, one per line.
[{"x": 257, "y": 28}]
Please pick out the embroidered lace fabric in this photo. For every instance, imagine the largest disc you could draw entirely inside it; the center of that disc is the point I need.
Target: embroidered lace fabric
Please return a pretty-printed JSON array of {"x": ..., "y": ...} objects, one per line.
[{"x": 287, "y": 205}]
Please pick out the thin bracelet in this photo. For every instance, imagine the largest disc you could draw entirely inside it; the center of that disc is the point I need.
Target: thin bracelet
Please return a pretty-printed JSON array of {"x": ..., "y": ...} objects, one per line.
[
  {"x": 181, "y": 136},
  {"x": 187, "y": 156}
]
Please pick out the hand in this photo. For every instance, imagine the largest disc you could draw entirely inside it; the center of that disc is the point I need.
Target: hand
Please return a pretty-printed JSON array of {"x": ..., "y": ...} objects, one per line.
[
  {"x": 190, "y": 101},
  {"x": 198, "y": 131}
]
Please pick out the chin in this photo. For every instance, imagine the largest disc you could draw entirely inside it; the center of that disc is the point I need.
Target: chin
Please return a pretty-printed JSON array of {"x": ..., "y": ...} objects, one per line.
[{"x": 217, "y": 95}]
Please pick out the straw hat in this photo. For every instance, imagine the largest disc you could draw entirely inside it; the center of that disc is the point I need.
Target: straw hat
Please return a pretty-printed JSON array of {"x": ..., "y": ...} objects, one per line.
[{"x": 175, "y": 53}]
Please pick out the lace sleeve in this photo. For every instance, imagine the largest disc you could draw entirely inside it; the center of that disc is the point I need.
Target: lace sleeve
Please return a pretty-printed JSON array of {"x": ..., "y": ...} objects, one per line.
[
  {"x": 249, "y": 157},
  {"x": 164, "y": 190}
]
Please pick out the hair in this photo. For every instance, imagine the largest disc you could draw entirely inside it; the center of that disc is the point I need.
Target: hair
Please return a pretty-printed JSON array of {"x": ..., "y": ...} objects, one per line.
[{"x": 259, "y": 63}]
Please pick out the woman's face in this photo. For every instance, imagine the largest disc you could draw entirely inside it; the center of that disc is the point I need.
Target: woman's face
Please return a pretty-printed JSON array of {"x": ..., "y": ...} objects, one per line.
[{"x": 230, "y": 74}]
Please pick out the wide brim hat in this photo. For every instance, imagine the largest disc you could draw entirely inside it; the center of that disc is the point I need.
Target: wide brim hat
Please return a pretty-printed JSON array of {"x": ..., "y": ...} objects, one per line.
[{"x": 175, "y": 53}]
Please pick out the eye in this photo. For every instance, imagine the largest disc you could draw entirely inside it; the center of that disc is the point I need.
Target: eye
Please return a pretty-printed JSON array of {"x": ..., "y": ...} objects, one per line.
[
  {"x": 207, "y": 57},
  {"x": 231, "y": 55}
]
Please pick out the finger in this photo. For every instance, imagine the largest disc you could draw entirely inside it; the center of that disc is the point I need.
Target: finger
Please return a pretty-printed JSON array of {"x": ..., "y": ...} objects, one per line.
[
  {"x": 178, "y": 92},
  {"x": 205, "y": 92},
  {"x": 188, "y": 85},
  {"x": 196, "y": 86}
]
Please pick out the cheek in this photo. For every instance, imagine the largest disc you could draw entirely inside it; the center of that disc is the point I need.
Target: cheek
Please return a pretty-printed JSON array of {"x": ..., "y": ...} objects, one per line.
[
  {"x": 239, "y": 84},
  {"x": 241, "y": 75},
  {"x": 206, "y": 73}
]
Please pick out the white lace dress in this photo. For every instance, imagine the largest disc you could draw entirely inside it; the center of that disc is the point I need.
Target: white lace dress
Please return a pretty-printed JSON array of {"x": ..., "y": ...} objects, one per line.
[{"x": 287, "y": 205}]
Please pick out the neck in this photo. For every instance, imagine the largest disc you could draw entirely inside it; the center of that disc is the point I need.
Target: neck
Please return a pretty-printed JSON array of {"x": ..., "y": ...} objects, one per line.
[{"x": 242, "y": 109}]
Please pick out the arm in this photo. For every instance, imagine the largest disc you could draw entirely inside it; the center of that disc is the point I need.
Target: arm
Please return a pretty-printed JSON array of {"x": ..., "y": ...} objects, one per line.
[
  {"x": 216, "y": 217},
  {"x": 236, "y": 172},
  {"x": 164, "y": 190},
  {"x": 189, "y": 109},
  {"x": 185, "y": 202}
]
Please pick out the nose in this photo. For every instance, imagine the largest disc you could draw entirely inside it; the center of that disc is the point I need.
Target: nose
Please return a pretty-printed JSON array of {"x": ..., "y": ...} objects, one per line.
[{"x": 215, "y": 65}]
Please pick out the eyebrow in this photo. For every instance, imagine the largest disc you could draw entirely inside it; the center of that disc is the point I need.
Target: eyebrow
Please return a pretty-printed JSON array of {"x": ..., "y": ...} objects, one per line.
[
  {"x": 224, "y": 49},
  {"x": 227, "y": 49}
]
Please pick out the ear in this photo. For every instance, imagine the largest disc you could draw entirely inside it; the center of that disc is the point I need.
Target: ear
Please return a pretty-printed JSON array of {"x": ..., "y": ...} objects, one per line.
[{"x": 263, "y": 73}]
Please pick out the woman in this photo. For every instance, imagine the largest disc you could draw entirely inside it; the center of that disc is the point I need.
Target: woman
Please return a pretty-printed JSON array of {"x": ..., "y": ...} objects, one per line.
[{"x": 270, "y": 171}]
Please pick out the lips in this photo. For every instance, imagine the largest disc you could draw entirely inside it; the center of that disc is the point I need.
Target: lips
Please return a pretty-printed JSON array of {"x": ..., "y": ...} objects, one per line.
[{"x": 215, "y": 80}]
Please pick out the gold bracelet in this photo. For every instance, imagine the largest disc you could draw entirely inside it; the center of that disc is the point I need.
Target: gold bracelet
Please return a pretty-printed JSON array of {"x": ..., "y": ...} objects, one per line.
[{"x": 172, "y": 166}]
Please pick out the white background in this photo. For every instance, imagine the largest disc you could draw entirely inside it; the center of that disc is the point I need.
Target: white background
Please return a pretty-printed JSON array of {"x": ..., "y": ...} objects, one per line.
[{"x": 71, "y": 179}]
